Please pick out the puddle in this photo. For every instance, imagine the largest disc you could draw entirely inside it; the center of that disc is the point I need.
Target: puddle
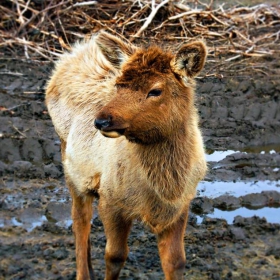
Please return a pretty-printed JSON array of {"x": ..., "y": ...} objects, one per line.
[
  {"x": 38, "y": 222},
  {"x": 218, "y": 155},
  {"x": 30, "y": 218},
  {"x": 212, "y": 155},
  {"x": 271, "y": 214},
  {"x": 29, "y": 225},
  {"x": 275, "y": 148},
  {"x": 65, "y": 224},
  {"x": 15, "y": 222},
  {"x": 239, "y": 188}
]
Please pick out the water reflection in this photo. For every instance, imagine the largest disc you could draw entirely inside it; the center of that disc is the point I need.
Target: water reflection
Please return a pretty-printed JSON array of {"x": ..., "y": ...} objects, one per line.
[
  {"x": 239, "y": 188},
  {"x": 218, "y": 155},
  {"x": 272, "y": 215},
  {"x": 212, "y": 155}
]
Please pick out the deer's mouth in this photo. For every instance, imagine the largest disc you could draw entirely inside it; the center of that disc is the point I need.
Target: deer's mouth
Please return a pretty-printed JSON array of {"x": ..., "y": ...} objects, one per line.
[
  {"x": 114, "y": 133},
  {"x": 108, "y": 128}
]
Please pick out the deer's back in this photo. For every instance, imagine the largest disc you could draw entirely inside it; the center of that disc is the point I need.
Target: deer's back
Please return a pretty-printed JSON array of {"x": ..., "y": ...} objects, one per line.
[{"x": 82, "y": 82}]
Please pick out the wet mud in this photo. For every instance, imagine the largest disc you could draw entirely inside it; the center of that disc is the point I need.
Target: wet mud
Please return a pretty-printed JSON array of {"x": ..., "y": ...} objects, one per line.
[{"x": 234, "y": 222}]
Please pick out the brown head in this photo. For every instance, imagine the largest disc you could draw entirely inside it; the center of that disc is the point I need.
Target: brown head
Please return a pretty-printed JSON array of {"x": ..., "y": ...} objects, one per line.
[{"x": 154, "y": 93}]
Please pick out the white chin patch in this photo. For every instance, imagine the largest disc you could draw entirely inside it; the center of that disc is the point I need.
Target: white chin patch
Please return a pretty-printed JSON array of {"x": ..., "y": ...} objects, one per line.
[{"x": 111, "y": 134}]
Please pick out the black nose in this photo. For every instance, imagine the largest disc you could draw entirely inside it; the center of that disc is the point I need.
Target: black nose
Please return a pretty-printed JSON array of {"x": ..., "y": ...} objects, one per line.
[{"x": 102, "y": 123}]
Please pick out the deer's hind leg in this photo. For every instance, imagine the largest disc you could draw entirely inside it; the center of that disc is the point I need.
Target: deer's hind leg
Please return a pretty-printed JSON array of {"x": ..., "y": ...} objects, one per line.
[
  {"x": 82, "y": 214},
  {"x": 82, "y": 211}
]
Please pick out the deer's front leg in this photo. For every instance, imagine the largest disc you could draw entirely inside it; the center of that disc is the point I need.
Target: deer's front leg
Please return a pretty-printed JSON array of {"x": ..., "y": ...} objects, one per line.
[
  {"x": 171, "y": 249},
  {"x": 117, "y": 229},
  {"x": 82, "y": 215}
]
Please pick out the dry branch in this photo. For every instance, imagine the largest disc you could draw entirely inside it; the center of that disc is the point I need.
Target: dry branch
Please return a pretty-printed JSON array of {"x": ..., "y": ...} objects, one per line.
[
  {"x": 44, "y": 30},
  {"x": 150, "y": 17}
]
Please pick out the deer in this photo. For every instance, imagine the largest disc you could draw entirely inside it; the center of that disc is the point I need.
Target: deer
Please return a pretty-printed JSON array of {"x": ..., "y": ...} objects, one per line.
[{"x": 129, "y": 129}]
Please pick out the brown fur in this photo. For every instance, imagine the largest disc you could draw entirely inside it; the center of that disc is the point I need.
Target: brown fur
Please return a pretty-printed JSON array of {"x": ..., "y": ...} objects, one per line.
[{"x": 150, "y": 173}]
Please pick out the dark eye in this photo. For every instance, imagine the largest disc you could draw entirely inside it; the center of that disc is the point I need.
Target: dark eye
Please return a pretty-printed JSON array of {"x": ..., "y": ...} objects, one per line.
[{"x": 154, "y": 93}]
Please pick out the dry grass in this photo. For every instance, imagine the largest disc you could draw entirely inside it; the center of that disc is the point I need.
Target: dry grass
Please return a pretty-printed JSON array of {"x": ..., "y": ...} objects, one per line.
[{"x": 43, "y": 29}]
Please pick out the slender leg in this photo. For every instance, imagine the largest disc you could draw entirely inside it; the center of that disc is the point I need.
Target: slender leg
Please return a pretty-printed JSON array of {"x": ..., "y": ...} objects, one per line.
[
  {"x": 171, "y": 249},
  {"x": 91, "y": 273},
  {"x": 82, "y": 215},
  {"x": 117, "y": 230}
]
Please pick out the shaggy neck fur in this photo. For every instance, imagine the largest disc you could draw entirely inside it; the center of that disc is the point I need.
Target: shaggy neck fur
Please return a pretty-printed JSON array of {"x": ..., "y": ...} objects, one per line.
[{"x": 168, "y": 165}]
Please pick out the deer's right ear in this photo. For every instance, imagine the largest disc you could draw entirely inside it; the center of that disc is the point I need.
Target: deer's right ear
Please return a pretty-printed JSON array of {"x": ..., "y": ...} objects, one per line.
[
  {"x": 190, "y": 59},
  {"x": 114, "y": 49}
]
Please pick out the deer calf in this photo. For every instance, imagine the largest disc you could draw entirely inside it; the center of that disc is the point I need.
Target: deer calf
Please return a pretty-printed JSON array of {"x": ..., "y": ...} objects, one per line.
[{"x": 151, "y": 159}]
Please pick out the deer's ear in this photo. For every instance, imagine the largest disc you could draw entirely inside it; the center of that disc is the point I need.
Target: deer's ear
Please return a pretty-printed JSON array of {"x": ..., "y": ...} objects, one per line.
[
  {"x": 114, "y": 49},
  {"x": 190, "y": 59}
]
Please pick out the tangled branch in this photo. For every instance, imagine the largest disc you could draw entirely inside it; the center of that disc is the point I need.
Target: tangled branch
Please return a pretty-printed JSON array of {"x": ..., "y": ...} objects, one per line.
[{"x": 44, "y": 29}]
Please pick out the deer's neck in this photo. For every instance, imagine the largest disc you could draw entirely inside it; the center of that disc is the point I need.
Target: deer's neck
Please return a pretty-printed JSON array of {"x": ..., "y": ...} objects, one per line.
[{"x": 168, "y": 165}]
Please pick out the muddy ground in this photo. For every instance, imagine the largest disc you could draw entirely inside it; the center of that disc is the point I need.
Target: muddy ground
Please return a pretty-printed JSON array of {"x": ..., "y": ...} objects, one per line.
[{"x": 233, "y": 230}]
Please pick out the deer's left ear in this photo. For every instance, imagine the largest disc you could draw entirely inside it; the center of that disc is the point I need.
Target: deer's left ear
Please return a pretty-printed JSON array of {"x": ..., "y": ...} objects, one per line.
[
  {"x": 115, "y": 50},
  {"x": 190, "y": 59}
]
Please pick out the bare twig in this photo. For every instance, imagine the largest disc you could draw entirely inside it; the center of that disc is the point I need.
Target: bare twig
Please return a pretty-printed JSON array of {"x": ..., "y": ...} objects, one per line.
[
  {"x": 192, "y": 12},
  {"x": 150, "y": 17},
  {"x": 17, "y": 130},
  {"x": 81, "y": 4}
]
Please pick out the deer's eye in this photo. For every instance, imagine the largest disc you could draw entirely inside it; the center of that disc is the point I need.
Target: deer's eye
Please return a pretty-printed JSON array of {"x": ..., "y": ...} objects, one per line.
[{"x": 154, "y": 93}]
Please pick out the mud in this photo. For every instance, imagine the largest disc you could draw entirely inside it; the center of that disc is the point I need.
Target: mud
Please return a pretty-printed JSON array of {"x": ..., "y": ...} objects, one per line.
[{"x": 233, "y": 230}]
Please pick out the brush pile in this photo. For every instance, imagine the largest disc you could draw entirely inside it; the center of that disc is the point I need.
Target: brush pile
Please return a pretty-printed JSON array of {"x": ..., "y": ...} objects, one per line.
[{"x": 43, "y": 29}]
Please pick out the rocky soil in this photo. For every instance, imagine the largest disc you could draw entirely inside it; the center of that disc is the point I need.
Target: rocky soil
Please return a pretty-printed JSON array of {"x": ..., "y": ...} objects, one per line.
[{"x": 239, "y": 113}]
